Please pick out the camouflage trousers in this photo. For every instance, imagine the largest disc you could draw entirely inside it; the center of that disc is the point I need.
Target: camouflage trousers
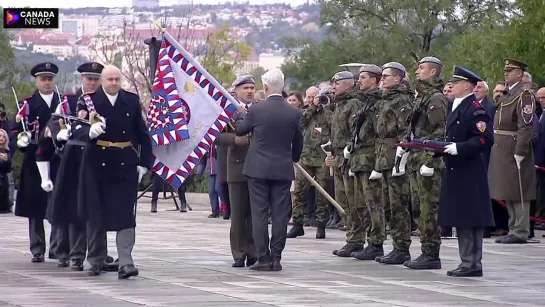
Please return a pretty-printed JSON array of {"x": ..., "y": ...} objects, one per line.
[
  {"x": 371, "y": 214},
  {"x": 395, "y": 195},
  {"x": 427, "y": 191},
  {"x": 344, "y": 195},
  {"x": 301, "y": 190}
]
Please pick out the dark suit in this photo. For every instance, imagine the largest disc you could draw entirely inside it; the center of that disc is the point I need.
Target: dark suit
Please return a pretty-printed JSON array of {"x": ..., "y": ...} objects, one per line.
[
  {"x": 240, "y": 234},
  {"x": 276, "y": 142}
]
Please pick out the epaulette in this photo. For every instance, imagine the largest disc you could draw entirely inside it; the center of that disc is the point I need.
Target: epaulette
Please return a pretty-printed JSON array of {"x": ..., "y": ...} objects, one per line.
[{"x": 26, "y": 98}]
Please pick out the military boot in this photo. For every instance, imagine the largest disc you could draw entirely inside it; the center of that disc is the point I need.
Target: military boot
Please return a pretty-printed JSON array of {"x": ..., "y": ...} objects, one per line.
[
  {"x": 348, "y": 249},
  {"x": 395, "y": 257},
  {"x": 76, "y": 265},
  {"x": 371, "y": 252},
  {"x": 424, "y": 262},
  {"x": 154, "y": 206},
  {"x": 320, "y": 232},
  {"x": 296, "y": 231}
]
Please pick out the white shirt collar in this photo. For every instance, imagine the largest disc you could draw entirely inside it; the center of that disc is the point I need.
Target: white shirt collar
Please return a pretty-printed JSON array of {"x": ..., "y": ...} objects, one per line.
[
  {"x": 48, "y": 98},
  {"x": 458, "y": 101},
  {"x": 512, "y": 86},
  {"x": 111, "y": 98}
]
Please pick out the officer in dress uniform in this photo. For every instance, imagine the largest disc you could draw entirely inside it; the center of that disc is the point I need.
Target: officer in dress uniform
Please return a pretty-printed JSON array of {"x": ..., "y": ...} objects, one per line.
[
  {"x": 511, "y": 173},
  {"x": 114, "y": 161},
  {"x": 31, "y": 197},
  {"x": 62, "y": 207},
  {"x": 465, "y": 201}
]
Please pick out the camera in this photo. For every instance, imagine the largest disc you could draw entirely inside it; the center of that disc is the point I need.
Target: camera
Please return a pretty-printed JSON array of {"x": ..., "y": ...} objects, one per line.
[{"x": 326, "y": 95}]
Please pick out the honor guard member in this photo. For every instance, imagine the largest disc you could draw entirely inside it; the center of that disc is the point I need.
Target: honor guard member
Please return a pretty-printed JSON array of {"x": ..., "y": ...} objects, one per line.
[
  {"x": 31, "y": 197},
  {"x": 240, "y": 235},
  {"x": 394, "y": 109},
  {"x": 511, "y": 174},
  {"x": 427, "y": 121},
  {"x": 114, "y": 162},
  {"x": 465, "y": 201},
  {"x": 346, "y": 105},
  {"x": 361, "y": 153},
  {"x": 315, "y": 122}
]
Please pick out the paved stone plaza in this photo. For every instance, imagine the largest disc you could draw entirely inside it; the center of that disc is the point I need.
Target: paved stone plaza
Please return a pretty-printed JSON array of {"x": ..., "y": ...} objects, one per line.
[{"x": 184, "y": 260}]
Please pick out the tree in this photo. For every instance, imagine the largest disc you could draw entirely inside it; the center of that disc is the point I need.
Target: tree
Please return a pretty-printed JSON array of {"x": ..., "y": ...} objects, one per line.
[{"x": 7, "y": 64}]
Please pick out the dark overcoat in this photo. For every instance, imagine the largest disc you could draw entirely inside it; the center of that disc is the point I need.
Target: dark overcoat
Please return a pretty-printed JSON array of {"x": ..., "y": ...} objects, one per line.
[
  {"x": 465, "y": 198},
  {"x": 108, "y": 178},
  {"x": 62, "y": 208},
  {"x": 31, "y": 199}
]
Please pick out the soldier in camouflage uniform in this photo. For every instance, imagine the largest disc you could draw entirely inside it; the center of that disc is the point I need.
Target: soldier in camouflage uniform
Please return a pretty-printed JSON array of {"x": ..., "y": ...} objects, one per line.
[
  {"x": 346, "y": 104},
  {"x": 368, "y": 202},
  {"x": 316, "y": 129},
  {"x": 393, "y": 111},
  {"x": 427, "y": 122}
]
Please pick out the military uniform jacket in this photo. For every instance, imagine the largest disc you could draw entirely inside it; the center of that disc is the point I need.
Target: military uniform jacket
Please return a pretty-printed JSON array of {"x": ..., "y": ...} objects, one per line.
[
  {"x": 108, "y": 181},
  {"x": 430, "y": 113},
  {"x": 31, "y": 198},
  {"x": 362, "y": 158},
  {"x": 315, "y": 121},
  {"x": 464, "y": 200},
  {"x": 346, "y": 105},
  {"x": 236, "y": 154},
  {"x": 393, "y": 111},
  {"x": 513, "y": 126},
  {"x": 63, "y": 203}
]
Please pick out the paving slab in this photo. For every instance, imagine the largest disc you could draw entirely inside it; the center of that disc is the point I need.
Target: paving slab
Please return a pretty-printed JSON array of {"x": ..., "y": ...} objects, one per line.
[{"x": 184, "y": 260}]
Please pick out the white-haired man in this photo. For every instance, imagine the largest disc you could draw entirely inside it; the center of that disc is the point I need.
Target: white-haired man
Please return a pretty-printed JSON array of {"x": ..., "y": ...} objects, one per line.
[{"x": 276, "y": 142}]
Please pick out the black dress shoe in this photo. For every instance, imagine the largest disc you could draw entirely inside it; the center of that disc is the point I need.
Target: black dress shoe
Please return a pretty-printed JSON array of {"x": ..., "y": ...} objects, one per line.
[
  {"x": 239, "y": 263},
  {"x": 63, "y": 263},
  {"x": 52, "y": 256},
  {"x": 95, "y": 270},
  {"x": 76, "y": 265},
  {"x": 37, "y": 258},
  {"x": 110, "y": 267},
  {"x": 110, "y": 259},
  {"x": 250, "y": 261},
  {"x": 465, "y": 272},
  {"x": 276, "y": 266},
  {"x": 127, "y": 271},
  {"x": 261, "y": 266}
]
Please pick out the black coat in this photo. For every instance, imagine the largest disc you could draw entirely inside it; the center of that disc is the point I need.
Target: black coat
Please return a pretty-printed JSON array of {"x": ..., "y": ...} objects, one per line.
[
  {"x": 63, "y": 204},
  {"x": 465, "y": 199},
  {"x": 31, "y": 198},
  {"x": 108, "y": 182}
]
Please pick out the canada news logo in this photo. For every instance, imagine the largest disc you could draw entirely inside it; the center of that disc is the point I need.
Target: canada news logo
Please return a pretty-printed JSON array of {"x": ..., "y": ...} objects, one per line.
[{"x": 31, "y": 18}]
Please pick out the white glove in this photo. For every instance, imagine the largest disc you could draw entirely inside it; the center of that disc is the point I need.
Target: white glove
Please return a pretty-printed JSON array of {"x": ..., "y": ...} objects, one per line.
[
  {"x": 43, "y": 168},
  {"x": 141, "y": 172},
  {"x": 23, "y": 142},
  {"x": 451, "y": 149},
  {"x": 64, "y": 134},
  {"x": 426, "y": 171},
  {"x": 375, "y": 175},
  {"x": 346, "y": 153},
  {"x": 350, "y": 173},
  {"x": 96, "y": 130},
  {"x": 400, "y": 151},
  {"x": 518, "y": 159}
]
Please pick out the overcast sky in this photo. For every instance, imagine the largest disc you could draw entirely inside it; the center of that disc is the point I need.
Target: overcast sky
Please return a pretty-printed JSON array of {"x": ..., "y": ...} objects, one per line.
[{"x": 121, "y": 3}]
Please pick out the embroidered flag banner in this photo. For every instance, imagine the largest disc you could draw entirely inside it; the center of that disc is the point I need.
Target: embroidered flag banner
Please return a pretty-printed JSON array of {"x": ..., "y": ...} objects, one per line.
[{"x": 188, "y": 110}]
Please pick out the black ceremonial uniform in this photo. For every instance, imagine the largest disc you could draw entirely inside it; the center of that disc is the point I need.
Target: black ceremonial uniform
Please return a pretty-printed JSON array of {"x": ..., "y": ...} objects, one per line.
[
  {"x": 465, "y": 198},
  {"x": 31, "y": 198}
]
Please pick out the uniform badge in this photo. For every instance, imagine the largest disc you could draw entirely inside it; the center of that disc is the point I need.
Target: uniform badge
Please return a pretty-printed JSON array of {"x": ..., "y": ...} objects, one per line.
[
  {"x": 527, "y": 109},
  {"x": 47, "y": 66},
  {"x": 94, "y": 65},
  {"x": 527, "y": 103},
  {"x": 317, "y": 130},
  {"x": 506, "y": 62},
  {"x": 481, "y": 126}
]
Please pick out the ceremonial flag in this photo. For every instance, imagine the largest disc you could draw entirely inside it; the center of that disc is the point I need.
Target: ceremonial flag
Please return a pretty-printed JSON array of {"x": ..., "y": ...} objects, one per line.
[
  {"x": 188, "y": 110},
  {"x": 64, "y": 107},
  {"x": 23, "y": 110}
]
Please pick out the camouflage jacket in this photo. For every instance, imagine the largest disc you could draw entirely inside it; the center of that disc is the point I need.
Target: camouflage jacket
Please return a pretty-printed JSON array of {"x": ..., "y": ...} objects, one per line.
[
  {"x": 315, "y": 122},
  {"x": 391, "y": 125},
  {"x": 428, "y": 122},
  {"x": 363, "y": 154},
  {"x": 345, "y": 106}
]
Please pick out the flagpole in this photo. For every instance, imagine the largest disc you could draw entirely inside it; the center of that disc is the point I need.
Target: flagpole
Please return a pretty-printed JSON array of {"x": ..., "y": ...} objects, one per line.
[{"x": 198, "y": 66}]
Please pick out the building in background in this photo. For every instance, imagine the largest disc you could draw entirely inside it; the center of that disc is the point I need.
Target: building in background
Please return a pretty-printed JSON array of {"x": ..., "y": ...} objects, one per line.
[
  {"x": 72, "y": 26},
  {"x": 145, "y": 4}
]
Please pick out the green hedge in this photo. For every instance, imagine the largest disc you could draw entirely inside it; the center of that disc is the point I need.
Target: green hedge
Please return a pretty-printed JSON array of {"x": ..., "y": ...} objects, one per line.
[{"x": 199, "y": 184}]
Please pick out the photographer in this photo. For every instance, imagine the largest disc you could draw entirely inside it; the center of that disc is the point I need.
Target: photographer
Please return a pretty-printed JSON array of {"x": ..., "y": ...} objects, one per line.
[
  {"x": 315, "y": 124},
  {"x": 6, "y": 126}
]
